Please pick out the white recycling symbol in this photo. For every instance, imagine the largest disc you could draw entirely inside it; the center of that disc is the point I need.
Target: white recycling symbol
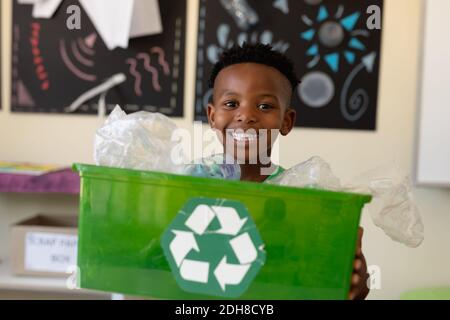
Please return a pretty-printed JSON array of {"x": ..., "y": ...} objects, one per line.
[{"x": 198, "y": 222}]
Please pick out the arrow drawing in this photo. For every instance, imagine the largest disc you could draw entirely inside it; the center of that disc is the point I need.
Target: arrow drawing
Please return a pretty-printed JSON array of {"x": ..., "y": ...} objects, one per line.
[
  {"x": 244, "y": 248},
  {"x": 230, "y": 274},
  {"x": 229, "y": 219},
  {"x": 196, "y": 271},
  {"x": 282, "y": 5},
  {"x": 182, "y": 244},
  {"x": 200, "y": 219},
  {"x": 359, "y": 101}
]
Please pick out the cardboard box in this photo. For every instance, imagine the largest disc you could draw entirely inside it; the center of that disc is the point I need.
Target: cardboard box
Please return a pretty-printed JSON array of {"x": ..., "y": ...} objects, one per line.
[{"x": 44, "y": 245}]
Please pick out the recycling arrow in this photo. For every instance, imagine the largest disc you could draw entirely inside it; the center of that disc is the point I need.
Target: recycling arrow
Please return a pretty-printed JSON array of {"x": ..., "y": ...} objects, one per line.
[
  {"x": 182, "y": 244},
  {"x": 196, "y": 271},
  {"x": 200, "y": 219},
  {"x": 229, "y": 220},
  {"x": 229, "y": 274},
  {"x": 244, "y": 248}
]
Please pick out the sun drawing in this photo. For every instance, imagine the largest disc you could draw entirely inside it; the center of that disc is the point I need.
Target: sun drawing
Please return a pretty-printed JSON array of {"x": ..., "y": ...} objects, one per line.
[{"x": 333, "y": 37}]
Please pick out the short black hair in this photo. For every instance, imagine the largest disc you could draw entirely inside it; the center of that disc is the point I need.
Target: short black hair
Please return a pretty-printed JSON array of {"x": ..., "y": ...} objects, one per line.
[{"x": 256, "y": 53}]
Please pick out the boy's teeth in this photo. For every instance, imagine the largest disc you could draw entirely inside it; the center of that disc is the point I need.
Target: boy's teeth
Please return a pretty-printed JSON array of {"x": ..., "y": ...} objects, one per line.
[{"x": 244, "y": 136}]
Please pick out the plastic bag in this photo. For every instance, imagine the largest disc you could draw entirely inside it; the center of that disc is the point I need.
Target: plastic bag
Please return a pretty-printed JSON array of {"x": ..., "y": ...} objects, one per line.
[
  {"x": 141, "y": 140},
  {"x": 392, "y": 208},
  {"x": 313, "y": 173}
]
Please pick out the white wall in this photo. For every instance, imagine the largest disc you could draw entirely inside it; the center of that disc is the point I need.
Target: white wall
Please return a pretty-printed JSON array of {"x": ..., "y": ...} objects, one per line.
[
  {"x": 68, "y": 139},
  {"x": 433, "y": 148}
]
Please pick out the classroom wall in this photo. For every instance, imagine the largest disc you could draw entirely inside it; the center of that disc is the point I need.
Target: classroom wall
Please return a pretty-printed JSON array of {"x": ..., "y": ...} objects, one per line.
[{"x": 67, "y": 139}]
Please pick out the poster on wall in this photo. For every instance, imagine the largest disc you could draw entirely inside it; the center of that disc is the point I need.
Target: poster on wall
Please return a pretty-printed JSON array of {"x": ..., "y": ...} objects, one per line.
[
  {"x": 53, "y": 66},
  {"x": 335, "y": 46}
]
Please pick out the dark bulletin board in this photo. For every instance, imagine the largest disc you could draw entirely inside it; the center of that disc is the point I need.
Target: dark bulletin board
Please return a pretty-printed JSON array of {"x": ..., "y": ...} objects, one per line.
[
  {"x": 335, "y": 54},
  {"x": 53, "y": 66}
]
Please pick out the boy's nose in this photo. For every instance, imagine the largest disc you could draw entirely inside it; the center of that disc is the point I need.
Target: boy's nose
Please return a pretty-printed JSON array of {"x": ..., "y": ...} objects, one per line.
[{"x": 246, "y": 115}]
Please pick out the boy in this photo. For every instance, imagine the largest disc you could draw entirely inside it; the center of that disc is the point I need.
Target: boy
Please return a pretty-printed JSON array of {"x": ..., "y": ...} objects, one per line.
[{"x": 252, "y": 89}]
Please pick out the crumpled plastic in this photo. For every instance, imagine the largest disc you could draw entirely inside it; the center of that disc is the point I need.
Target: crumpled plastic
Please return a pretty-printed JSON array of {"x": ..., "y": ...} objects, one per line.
[
  {"x": 313, "y": 173},
  {"x": 141, "y": 140},
  {"x": 392, "y": 207},
  {"x": 214, "y": 166}
]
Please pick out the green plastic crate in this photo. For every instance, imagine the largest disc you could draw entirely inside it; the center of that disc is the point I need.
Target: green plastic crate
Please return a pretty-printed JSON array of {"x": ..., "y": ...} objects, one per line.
[{"x": 310, "y": 235}]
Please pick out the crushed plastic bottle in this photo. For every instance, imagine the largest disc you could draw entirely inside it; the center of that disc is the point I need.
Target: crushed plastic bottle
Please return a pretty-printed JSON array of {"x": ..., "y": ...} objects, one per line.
[
  {"x": 392, "y": 208},
  {"x": 313, "y": 173},
  {"x": 141, "y": 140},
  {"x": 214, "y": 167}
]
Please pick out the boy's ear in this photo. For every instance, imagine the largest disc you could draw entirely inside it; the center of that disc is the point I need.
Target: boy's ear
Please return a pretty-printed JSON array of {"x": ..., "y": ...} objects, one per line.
[
  {"x": 288, "y": 121},
  {"x": 211, "y": 113}
]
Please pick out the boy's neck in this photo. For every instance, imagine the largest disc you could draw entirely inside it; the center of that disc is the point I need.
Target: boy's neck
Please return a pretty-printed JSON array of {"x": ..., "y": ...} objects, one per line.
[{"x": 254, "y": 172}]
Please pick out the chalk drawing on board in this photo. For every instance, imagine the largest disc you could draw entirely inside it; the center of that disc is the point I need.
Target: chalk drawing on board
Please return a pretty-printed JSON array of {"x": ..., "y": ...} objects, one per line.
[
  {"x": 40, "y": 68},
  {"x": 282, "y": 5},
  {"x": 331, "y": 32},
  {"x": 76, "y": 61},
  {"x": 353, "y": 109},
  {"x": 24, "y": 96},
  {"x": 326, "y": 36},
  {"x": 65, "y": 64},
  {"x": 146, "y": 61},
  {"x": 136, "y": 75},
  {"x": 224, "y": 42},
  {"x": 317, "y": 89}
]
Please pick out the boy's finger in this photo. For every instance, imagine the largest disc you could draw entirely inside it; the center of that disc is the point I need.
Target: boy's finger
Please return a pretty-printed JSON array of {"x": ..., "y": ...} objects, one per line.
[
  {"x": 357, "y": 264},
  {"x": 359, "y": 243},
  {"x": 351, "y": 295},
  {"x": 355, "y": 278}
]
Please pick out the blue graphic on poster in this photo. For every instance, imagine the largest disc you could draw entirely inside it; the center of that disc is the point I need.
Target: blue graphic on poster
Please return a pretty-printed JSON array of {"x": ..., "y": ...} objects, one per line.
[{"x": 335, "y": 53}]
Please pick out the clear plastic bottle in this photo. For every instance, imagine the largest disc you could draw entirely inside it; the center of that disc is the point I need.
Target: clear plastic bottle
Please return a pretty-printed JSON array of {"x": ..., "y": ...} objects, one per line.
[{"x": 214, "y": 167}]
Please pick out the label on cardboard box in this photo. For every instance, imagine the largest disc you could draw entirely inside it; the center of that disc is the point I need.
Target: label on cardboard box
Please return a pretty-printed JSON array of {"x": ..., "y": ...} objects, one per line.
[{"x": 50, "y": 252}]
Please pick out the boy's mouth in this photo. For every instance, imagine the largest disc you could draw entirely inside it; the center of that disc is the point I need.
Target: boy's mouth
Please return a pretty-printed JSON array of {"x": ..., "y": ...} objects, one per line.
[{"x": 244, "y": 137}]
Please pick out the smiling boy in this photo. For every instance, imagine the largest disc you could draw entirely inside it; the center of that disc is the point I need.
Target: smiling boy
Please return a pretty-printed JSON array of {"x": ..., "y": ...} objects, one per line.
[{"x": 252, "y": 89}]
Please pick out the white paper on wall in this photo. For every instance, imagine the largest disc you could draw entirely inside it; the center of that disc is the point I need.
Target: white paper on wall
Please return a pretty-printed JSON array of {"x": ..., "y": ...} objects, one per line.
[
  {"x": 112, "y": 20},
  {"x": 43, "y": 9},
  {"x": 146, "y": 19},
  {"x": 116, "y": 21}
]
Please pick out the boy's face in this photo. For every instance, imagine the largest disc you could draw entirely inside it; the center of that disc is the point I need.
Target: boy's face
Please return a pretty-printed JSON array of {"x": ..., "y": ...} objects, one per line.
[{"x": 248, "y": 98}]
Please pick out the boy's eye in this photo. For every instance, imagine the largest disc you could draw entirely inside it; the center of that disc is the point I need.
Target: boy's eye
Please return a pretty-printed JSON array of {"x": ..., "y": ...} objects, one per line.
[
  {"x": 264, "y": 106},
  {"x": 231, "y": 104}
]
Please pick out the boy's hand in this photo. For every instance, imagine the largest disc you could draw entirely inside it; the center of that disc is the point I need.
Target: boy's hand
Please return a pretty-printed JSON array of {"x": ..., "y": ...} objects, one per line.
[{"x": 358, "y": 289}]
